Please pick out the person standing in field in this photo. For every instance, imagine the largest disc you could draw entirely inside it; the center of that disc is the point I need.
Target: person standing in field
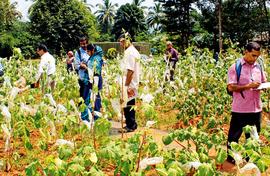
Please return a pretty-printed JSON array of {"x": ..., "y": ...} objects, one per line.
[
  {"x": 246, "y": 105},
  {"x": 70, "y": 61},
  {"x": 171, "y": 56},
  {"x": 131, "y": 72},
  {"x": 81, "y": 58},
  {"x": 94, "y": 64},
  {"x": 46, "y": 68}
]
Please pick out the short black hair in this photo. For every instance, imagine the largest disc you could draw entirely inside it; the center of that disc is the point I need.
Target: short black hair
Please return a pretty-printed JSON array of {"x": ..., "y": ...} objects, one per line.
[
  {"x": 125, "y": 36},
  {"x": 91, "y": 47},
  {"x": 42, "y": 47},
  {"x": 252, "y": 45},
  {"x": 82, "y": 38}
]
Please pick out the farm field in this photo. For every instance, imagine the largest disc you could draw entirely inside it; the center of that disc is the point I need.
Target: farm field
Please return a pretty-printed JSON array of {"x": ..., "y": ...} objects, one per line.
[{"x": 183, "y": 125}]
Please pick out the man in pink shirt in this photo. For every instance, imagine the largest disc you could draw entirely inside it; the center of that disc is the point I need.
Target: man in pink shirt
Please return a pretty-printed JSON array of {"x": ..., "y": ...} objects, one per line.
[{"x": 246, "y": 105}]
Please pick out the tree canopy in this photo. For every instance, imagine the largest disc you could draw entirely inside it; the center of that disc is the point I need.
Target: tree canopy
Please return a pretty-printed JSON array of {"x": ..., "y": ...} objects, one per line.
[
  {"x": 60, "y": 23},
  {"x": 130, "y": 18}
]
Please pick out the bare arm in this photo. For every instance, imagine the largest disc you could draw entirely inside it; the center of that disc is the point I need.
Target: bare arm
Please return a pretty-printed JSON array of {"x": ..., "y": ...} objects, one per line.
[
  {"x": 129, "y": 77},
  {"x": 239, "y": 88},
  {"x": 130, "y": 91}
]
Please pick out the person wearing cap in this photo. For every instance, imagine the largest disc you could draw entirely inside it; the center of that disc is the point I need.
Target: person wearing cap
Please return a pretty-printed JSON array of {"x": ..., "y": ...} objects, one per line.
[
  {"x": 46, "y": 68},
  {"x": 171, "y": 57},
  {"x": 131, "y": 72}
]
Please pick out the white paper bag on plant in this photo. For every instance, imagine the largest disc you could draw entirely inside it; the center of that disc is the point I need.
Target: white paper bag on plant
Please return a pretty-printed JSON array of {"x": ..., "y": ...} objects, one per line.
[
  {"x": 254, "y": 134},
  {"x": 7, "y": 83},
  {"x": 150, "y": 162},
  {"x": 7, "y": 136},
  {"x": 90, "y": 74},
  {"x": 192, "y": 164},
  {"x": 72, "y": 103},
  {"x": 237, "y": 157},
  {"x": 149, "y": 124},
  {"x": 96, "y": 80},
  {"x": 250, "y": 169},
  {"x": 5, "y": 112},
  {"x": 98, "y": 114},
  {"x": 147, "y": 98},
  {"x": 27, "y": 110},
  {"x": 116, "y": 107},
  {"x": 52, "y": 128},
  {"x": 61, "y": 108},
  {"x": 52, "y": 101},
  {"x": 60, "y": 142},
  {"x": 13, "y": 93}
]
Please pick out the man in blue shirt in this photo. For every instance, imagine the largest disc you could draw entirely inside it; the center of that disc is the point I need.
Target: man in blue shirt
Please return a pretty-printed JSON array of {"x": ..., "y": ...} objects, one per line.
[{"x": 81, "y": 58}]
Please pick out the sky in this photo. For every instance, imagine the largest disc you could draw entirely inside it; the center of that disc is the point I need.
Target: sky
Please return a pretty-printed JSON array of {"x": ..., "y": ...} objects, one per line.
[{"x": 24, "y": 5}]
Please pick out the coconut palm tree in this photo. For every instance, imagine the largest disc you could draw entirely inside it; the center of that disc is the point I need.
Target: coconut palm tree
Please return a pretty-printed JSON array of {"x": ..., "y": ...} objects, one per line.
[
  {"x": 155, "y": 16},
  {"x": 138, "y": 3},
  {"x": 105, "y": 15},
  {"x": 8, "y": 14}
]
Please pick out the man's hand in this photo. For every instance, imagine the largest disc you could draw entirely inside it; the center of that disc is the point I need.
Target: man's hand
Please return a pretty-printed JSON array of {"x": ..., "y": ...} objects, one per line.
[
  {"x": 83, "y": 66},
  {"x": 254, "y": 85},
  {"x": 130, "y": 92},
  {"x": 35, "y": 85}
]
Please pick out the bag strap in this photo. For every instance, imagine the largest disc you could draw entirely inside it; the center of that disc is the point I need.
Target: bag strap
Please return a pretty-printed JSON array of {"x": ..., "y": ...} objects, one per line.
[
  {"x": 238, "y": 68},
  {"x": 79, "y": 53}
]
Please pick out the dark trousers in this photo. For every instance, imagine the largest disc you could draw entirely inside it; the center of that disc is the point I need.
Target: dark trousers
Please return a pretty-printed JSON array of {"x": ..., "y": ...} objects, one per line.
[
  {"x": 240, "y": 120},
  {"x": 85, "y": 94},
  {"x": 129, "y": 113},
  {"x": 69, "y": 68}
]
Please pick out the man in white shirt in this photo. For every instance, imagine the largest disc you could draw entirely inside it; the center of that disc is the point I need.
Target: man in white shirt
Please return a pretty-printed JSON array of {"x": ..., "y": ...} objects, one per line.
[
  {"x": 131, "y": 78},
  {"x": 46, "y": 66}
]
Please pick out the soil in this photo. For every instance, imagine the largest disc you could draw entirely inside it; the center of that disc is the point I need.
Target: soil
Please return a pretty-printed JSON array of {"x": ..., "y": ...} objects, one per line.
[{"x": 157, "y": 134}]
